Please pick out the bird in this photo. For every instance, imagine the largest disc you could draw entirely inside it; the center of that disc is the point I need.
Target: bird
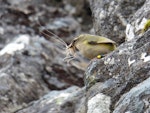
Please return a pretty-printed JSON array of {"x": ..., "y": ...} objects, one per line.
[{"x": 90, "y": 46}]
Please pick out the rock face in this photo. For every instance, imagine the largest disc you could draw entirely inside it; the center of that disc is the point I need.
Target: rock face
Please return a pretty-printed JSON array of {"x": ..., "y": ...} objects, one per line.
[
  {"x": 136, "y": 99},
  {"x": 20, "y": 76},
  {"x": 112, "y": 16},
  {"x": 52, "y": 102},
  {"x": 34, "y": 78},
  {"x": 27, "y": 73},
  {"x": 31, "y": 66},
  {"x": 121, "y": 71},
  {"x": 123, "y": 75}
]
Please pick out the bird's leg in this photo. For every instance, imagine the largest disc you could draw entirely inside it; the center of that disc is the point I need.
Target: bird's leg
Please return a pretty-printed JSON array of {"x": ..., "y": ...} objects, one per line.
[{"x": 70, "y": 57}]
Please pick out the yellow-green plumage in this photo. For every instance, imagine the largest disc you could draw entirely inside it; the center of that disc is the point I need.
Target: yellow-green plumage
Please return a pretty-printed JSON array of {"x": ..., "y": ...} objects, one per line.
[{"x": 90, "y": 46}]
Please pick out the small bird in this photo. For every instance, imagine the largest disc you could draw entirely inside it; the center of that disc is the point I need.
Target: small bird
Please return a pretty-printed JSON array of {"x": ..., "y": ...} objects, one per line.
[{"x": 91, "y": 46}]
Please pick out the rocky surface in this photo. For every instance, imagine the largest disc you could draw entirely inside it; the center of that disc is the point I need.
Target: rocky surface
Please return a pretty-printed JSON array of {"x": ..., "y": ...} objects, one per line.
[
  {"x": 119, "y": 72},
  {"x": 52, "y": 102},
  {"x": 30, "y": 65},
  {"x": 111, "y": 17},
  {"x": 123, "y": 73},
  {"x": 20, "y": 76},
  {"x": 34, "y": 77}
]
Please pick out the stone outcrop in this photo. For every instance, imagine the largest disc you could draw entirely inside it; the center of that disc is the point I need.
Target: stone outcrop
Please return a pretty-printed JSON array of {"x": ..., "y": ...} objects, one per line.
[{"x": 35, "y": 79}]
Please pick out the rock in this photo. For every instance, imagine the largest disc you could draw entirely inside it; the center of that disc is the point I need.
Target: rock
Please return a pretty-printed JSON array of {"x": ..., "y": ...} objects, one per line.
[
  {"x": 63, "y": 27},
  {"x": 116, "y": 83},
  {"x": 18, "y": 44},
  {"x": 23, "y": 69},
  {"x": 123, "y": 73},
  {"x": 136, "y": 100},
  {"x": 111, "y": 17},
  {"x": 52, "y": 102},
  {"x": 31, "y": 66},
  {"x": 20, "y": 78},
  {"x": 137, "y": 22},
  {"x": 120, "y": 71},
  {"x": 99, "y": 104}
]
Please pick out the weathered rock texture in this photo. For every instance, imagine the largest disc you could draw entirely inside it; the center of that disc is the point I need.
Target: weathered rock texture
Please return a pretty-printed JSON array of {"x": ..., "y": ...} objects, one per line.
[
  {"x": 27, "y": 73},
  {"x": 124, "y": 71},
  {"x": 31, "y": 66},
  {"x": 112, "y": 16},
  {"x": 20, "y": 76},
  {"x": 52, "y": 102},
  {"x": 119, "y": 72}
]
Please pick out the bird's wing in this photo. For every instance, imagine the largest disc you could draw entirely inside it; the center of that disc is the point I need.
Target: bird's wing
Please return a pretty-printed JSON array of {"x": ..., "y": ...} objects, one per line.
[{"x": 99, "y": 40}]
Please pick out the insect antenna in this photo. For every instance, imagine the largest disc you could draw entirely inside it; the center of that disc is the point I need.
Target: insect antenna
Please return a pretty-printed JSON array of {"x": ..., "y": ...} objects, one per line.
[
  {"x": 68, "y": 57},
  {"x": 56, "y": 37}
]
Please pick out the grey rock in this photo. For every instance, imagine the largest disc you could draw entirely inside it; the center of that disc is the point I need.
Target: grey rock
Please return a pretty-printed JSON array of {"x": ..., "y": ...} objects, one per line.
[
  {"x": 120, "y": 71},
  {"x": 100, "y": 103},
  {"x": 116, "y": 83},
  {"x": 52, "y": 102},
  {"x": 137, "y": 22},
  {"x": 23, "y": 71},
  {"x": 136, "y": 100},
  {"x": 124, "y": 71},
  {"x": 31, "y": 66},
  {"x": 20, "y": 77},
  {"x": 112, "y": 16}
]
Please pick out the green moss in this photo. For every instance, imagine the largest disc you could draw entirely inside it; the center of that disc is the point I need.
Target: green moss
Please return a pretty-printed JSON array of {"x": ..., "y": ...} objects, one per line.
[{"x": 146, "y": 26}]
